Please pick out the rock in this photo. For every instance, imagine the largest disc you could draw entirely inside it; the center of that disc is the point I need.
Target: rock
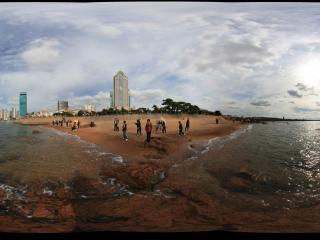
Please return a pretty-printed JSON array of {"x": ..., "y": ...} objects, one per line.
[
  {"x": 35, "y": 131},
  {"x": 63, "y": 193},
  {"x": 2, "y": 194},
  {"x": 142, "y": 175},
  {"x": 239, "y": 183},
  {"x": 66, "y": 211},
  {"x": 41, "y": 211}
]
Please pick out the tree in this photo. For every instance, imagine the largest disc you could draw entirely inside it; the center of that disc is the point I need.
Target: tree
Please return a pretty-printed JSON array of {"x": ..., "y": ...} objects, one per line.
[
  {"x": 80, "y": 113},
  {"x": 155, "y": 109}
]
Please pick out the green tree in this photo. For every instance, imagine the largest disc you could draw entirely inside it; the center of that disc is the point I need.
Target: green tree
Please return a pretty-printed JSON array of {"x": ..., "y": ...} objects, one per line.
[{"x": 80, "y": 113}]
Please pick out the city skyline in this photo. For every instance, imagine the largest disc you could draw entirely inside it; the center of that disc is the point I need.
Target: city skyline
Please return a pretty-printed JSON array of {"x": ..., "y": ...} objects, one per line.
[{"x": 249, "y": 59}]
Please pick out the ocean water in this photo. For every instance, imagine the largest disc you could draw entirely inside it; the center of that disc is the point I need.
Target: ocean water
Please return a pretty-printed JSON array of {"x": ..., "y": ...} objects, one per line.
[
  {"x": 262, "y": 166},
  {"x": 265, "y": 166},
  {"x": 35, "y": 153}
]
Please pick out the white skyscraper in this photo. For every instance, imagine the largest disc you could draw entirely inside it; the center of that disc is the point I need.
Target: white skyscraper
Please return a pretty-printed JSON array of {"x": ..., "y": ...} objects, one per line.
[
  {"x": 14, "y": 113},
  {"x": 120, "y": 96}
]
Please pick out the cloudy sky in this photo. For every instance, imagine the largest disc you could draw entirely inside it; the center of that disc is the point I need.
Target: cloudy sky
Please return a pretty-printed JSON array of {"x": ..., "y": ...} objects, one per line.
[{"x": 240, "y": 58}]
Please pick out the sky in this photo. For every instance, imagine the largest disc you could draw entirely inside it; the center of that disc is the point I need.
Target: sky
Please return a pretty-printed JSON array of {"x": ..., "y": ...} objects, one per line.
[{"x": 250, "y": 59}]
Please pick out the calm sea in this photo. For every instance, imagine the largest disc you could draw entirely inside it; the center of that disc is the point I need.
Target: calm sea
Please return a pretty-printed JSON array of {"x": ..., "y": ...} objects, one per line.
[
  {"x": 274, "y": 165},
  {"x": 32, "y": 153}
]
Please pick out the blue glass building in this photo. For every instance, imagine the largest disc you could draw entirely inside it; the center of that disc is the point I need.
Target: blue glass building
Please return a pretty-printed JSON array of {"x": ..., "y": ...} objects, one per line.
[{"x": 23, "y": 104}]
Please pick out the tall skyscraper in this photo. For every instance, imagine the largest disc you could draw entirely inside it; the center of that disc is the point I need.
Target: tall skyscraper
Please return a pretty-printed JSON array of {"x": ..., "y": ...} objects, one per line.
[
  {"x": 63, "y": 106},
  {"x": 14, "y": 113},
  {"x": 23, "y": 104},
  {"x": 111, "y": 100},
  {"x": 120, "y": 97}
]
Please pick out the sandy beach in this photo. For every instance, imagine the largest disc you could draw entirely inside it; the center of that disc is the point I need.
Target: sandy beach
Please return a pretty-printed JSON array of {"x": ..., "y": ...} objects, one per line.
[{"x": 163, "y": 145}]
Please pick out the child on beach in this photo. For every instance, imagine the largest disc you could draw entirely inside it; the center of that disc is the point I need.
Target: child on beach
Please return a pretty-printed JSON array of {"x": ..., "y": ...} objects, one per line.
[
  {"x": 180, "y": 128},
  {"x": 158, "y": 126},
  {"x": 148, "y": 130},
  {"x": 74, "y": 127},
  {"x": 124, "y": 130},
  {"x": 138, "y": 123}
]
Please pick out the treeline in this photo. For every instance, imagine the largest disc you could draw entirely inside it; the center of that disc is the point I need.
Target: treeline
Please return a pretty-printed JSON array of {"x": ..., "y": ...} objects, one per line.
[{"x": 168, "y": 106}]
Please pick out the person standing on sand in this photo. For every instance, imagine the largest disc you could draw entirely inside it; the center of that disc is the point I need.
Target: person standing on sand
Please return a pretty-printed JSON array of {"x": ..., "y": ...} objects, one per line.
[
  {"x": 138, "y": 123},
  {"x": 187, "y": 125},
  {"x": 164, "y": 129},
  {"x": 148, "y": 130},
  {"x": 124, "y": 130},
  {"x": 78, "y": 124},
  {"x": 217, "y": 121},
  {"x": 114, "y": 124},
  {"x": 180, "y": 128}
]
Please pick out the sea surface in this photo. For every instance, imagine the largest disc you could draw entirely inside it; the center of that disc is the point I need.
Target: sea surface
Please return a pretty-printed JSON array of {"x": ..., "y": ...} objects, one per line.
[
  {"x": 32, "y": 153},
  {"x": 264, "y": 166},
  {"x": 261, "y": 166}
]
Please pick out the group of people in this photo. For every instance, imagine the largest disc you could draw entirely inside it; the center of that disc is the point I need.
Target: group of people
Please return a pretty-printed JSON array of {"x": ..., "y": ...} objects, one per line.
[
  {"x": 148, "y": 128},
  {"x": 161, "y": 125},
  {"x": 74, "y": 126},
  {"x": 186, "y": 129}
]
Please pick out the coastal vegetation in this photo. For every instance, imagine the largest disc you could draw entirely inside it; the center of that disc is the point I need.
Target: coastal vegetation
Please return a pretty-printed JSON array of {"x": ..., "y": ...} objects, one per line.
[{"x": 168, "y": 106}]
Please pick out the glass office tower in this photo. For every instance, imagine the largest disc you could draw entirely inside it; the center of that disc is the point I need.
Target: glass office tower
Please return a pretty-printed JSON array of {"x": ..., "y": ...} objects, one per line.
[{"x": 23, "y": 104}]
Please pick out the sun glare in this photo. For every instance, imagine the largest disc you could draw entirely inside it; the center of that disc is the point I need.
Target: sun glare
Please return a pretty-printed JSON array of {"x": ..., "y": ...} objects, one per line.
[{"x": 309, "y": 72}]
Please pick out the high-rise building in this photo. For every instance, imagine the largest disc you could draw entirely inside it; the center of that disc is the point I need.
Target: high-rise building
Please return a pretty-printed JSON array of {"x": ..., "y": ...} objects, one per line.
[
  {"x": 120, "y": 96},
  {"x": 14, "y": 113},
  {"x": 63, "y": 106},
  {"x": 89, "y": 108},
  {"x": 5, "y": 115},
  {"x": 111, "y": 99},
  {"x": 23, "y": 104}
]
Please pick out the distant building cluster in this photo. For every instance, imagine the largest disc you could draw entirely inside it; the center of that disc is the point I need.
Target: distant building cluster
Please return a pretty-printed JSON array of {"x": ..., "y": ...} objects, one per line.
[
  {"x": 90, "y": 108},
  {"x": 6, "y": 115},
  {"x": 119, "y": 98}
]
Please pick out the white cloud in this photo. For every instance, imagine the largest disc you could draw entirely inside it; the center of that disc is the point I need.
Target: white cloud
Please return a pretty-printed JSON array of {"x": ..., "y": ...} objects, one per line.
[
  {"x": 209, "y": 54},
  {"x": 41, "y": 53}
]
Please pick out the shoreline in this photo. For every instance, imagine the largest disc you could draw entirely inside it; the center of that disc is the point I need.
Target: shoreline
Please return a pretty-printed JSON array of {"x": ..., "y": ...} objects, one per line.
[
  {"x": 161, "y": 145},
  {"x": 134, "y": 192},
  {"x": 157, "y": 189}
]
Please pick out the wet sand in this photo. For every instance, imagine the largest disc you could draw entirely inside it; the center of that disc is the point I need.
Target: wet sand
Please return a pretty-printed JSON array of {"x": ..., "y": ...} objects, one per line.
[{"x": 158, "y": 187}]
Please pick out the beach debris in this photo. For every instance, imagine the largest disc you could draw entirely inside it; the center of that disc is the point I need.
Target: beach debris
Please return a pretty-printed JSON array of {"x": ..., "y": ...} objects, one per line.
[
  {"x": 117, "y": 159},
  {"x": 35, "y": 131},
  {"x": 47, "y": 192}
]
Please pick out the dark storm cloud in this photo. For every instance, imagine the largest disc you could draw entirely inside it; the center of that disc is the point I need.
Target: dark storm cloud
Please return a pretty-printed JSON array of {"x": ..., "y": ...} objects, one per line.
[
  {"x": 294, "y": 93},
  {"x": 262, "y": 103}
]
